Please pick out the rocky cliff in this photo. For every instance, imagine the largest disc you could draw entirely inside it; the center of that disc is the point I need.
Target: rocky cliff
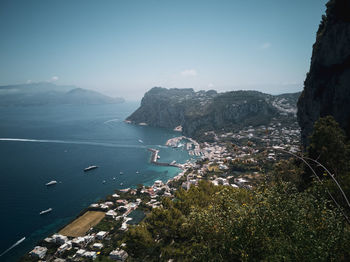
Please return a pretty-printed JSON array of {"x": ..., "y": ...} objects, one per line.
[
  {"x": 202, "y": 111},
  {"x": 327, "y": 85}
]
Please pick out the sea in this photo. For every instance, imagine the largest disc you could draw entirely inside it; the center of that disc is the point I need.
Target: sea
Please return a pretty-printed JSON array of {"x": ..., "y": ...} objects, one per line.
[{"x": 39, "y": 144}]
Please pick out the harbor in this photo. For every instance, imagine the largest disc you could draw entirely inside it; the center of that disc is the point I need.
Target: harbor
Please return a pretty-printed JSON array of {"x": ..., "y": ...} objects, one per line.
[
  {"x": 191, "y": 145},
  {"x": 154, "y": 158}
]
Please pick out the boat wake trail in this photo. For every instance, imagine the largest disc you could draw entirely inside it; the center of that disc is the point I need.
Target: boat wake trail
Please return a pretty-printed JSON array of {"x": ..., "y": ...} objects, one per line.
[
  {"x": 14, "y": 245},
  {"x": 112, "y": 120},
  {"x": 89, "y": 143}
]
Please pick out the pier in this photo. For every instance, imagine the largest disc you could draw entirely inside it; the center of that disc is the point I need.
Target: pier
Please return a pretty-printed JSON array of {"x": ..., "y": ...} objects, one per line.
[{"x": 154, "y": 158}]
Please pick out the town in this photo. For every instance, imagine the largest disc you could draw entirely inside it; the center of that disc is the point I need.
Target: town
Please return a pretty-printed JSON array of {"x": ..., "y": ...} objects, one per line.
[{"x": 234, "y": 159}]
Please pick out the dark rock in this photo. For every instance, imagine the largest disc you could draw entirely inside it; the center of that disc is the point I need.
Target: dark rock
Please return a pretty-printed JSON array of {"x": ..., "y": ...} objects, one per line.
[{"x": 327, "y": 85}]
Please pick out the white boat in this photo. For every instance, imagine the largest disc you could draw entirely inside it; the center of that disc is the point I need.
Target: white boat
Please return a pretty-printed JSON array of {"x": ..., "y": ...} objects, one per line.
[
  {"x": 113, "y": 178},
  {"x": 90, "y": 168},
  {"x": 53, "y": 182},
  {"x": 121, "y": 173},
  {"x": 45, "y": 211},
  {"x": 137, "y": 172},
  {"x": 121, "y": 184},
  {"x": 158, "y": 157},
  {"x": 104, "y": 181},
  {"x": 140, "y": 141}
]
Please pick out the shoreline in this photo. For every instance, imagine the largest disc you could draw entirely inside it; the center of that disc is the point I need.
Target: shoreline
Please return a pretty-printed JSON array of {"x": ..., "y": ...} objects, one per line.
[{"x": 155, "y": 185}]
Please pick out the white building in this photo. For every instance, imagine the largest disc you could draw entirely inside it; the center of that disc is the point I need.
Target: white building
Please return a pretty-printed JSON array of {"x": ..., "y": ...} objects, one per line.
[
  {"x": 118, "y": 254},
  {"x": 97, "y": 246},
  {"x": 59, "y": 239},
  {"x": 101, "y": 235},
  {"x": 38, "y": 252}
]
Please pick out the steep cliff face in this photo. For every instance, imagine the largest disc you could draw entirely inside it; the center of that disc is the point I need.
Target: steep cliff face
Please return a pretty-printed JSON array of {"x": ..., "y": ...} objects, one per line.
[
  {"x": 327, "y": 85},
  {"x": 202, "y": 111},
  {"x": 229, "y": 111},
  {"x": 161, "y": 107}
]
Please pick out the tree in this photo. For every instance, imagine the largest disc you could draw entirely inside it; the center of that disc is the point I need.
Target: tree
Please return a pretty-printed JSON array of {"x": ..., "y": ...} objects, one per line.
[{"x": 329, "y": 146}]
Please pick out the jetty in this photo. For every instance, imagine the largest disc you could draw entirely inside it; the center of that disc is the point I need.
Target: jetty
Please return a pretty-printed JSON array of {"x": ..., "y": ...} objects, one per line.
[{"x": 154, "y": 158}]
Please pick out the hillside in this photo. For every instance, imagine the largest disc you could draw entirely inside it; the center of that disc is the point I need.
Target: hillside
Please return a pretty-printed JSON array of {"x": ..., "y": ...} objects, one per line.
[{"x": 203, "y": 111}]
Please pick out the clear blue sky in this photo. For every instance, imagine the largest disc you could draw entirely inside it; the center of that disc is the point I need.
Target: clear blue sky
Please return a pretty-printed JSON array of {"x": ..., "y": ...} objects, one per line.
[{"x": 125, "y": 47}]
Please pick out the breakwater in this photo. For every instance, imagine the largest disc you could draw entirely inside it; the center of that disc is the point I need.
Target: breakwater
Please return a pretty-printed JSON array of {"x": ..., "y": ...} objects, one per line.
[{"x": 154, "y": 158}]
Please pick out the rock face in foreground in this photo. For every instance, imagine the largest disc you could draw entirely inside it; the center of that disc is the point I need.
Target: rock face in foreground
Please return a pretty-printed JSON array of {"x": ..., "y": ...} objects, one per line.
[
  {"x": 327, "y": 85},
  {"x": 208, "y": 110}
]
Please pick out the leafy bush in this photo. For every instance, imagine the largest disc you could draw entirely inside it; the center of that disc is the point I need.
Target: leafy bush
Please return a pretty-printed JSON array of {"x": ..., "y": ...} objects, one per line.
[{"x": 271, "y": 223}]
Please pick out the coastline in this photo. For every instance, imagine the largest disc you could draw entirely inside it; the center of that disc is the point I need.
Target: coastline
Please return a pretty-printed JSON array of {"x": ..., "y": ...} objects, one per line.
[
  {"x": 154, "y": 204},
  {"x": 220, "y": 163}
]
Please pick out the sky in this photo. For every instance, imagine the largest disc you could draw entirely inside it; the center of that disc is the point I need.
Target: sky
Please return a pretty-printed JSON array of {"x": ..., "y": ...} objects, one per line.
[{"x": 125, "y": 47}]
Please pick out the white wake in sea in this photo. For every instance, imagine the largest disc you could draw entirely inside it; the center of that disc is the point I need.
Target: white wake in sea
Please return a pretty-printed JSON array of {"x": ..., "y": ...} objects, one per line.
[
  {"x": 14, "y": 245},
  {"x": 112, "y": 120},
  {"x": 89, "y": 143}
]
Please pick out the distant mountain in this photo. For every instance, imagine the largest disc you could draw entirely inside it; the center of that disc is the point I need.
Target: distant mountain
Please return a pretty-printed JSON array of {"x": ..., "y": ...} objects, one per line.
[
  {"x": 46, "y": 93},
  {"x": 203, "y": 111}
]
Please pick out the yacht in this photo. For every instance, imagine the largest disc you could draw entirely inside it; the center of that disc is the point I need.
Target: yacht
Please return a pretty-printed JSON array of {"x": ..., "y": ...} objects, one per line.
[
  {"x": 90, "y": 168},
  {"x": 53, "y": 182},
  {"x": 45, "y": 211},
  {"x": 121, "y": 173},
  {"x": 137, "y": 172}
]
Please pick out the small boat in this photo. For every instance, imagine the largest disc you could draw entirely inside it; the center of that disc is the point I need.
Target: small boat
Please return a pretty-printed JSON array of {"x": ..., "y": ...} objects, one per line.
[
  {"x": 158, "y": 157},
  {"x": 137, "y": 172},
  {"x": 113, "y": 178},
  {"x": 53, "y": 182},
  {"x": 121, "y": 184},
  {"x": 45, "y": 211},
  {"x": 90, "y": 168},
  {"x": 121, "y": 173},
  {"x": 104, "y": 181},
  {"x": 140, "y": 141}
]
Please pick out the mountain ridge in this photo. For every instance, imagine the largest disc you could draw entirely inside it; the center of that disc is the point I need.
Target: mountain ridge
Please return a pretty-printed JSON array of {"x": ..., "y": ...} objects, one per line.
[
  {"x": 47, "y": 93},
  {"x": 202, "y": 111}
]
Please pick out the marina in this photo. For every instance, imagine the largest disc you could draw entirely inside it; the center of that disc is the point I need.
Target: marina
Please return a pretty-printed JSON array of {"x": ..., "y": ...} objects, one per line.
[{"x": 154, "y": 158}]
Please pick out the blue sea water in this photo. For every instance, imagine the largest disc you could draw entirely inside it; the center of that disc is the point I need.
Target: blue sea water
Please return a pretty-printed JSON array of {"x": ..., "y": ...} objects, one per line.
[{"x": 56, "y": 143}]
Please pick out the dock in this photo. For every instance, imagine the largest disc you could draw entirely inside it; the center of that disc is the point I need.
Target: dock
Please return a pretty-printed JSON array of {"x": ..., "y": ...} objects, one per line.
[{"x": 154, "y": 158}]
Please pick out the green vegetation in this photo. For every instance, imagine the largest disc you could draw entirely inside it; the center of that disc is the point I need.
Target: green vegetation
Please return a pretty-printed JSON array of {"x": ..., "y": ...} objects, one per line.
[
  {"x": 271, "y": 223},
  {"x": 107, "y": 224},
  {"x": 329, "y": 146}
]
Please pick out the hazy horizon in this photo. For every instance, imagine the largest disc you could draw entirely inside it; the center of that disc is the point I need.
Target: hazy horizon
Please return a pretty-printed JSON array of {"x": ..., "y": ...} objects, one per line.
[{"x": 124, "y": 48}]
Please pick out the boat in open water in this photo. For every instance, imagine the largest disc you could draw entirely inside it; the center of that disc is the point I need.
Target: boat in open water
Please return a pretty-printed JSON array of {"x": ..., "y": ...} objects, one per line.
[
  {"x": 53, "y": 182},
  {"x": 90, "y": 168},
  {"x": 45, "y": 211}
]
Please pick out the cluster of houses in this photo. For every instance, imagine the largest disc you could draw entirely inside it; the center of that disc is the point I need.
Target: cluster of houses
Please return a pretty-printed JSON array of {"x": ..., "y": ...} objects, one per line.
[
  {"x": 86, "y": 247},
  {"x": 90, "y": 245},
  {"x": 245, "y": 147}
]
